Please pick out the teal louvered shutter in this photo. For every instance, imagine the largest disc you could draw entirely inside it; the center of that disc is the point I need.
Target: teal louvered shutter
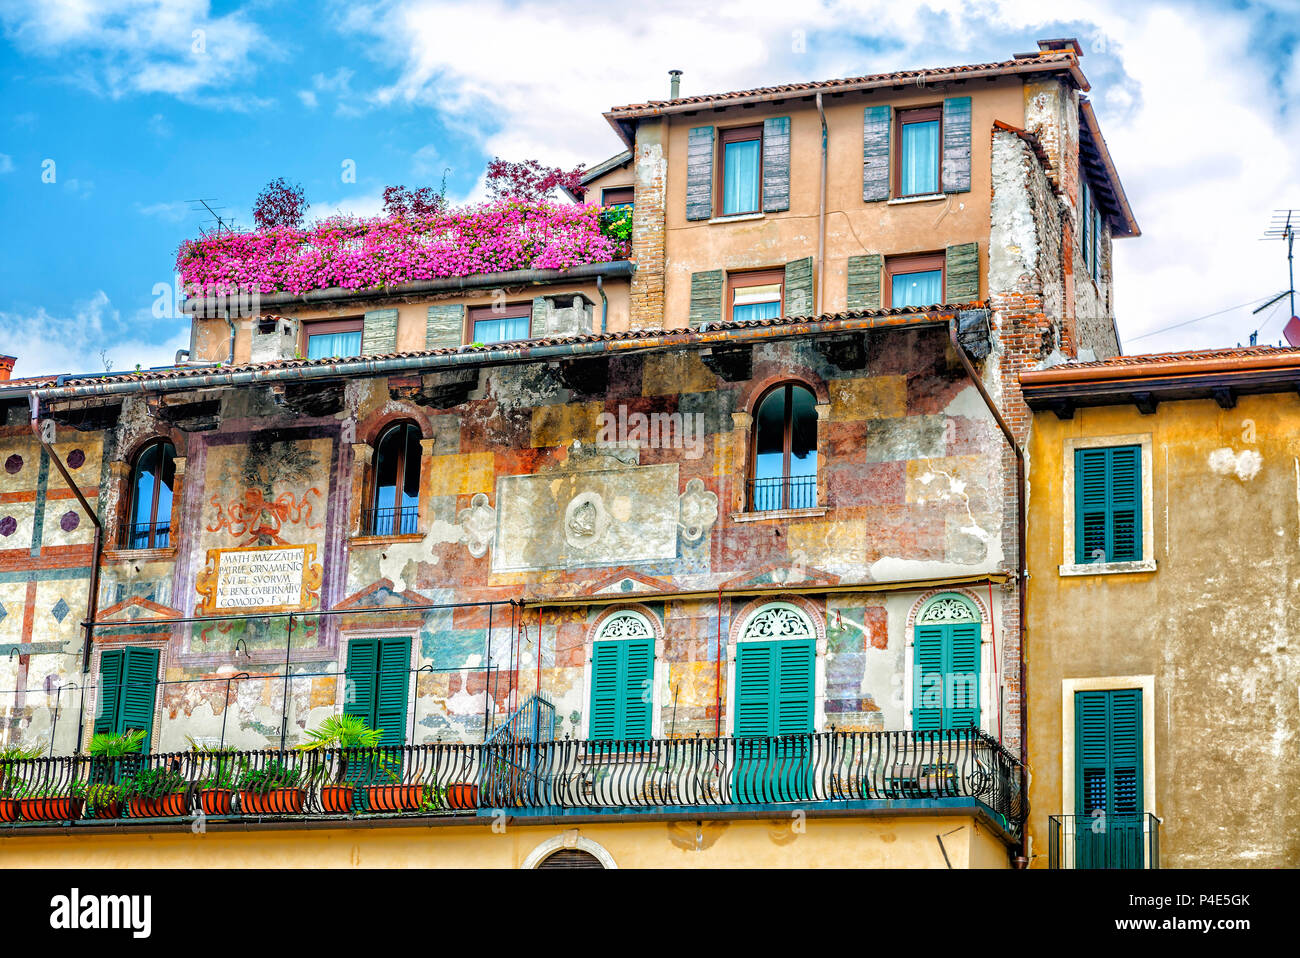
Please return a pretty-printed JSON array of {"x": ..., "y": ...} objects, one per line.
[
  {"x": 1125, "y": 504},
  {"x": 962, "y": 273},
  {"x": 956, "y": 144},
  {"x": 110, "y": 691},
  {"x": 603, "y": 724},
  {"x": 754, "y": 675},
  {"x": 392, "y": 679},
  {"x": 793, "y": 714},
  {"x": 706, "y": 297},
  {"x": 1108, "y": 504},
  {"x": 1109, "y": 786},
  {"x": 776, "y": 164},
  {"x": 1090, "y": 505},
  {"x": 379, "y": 332},
  {"x": 875, "y": 153},
  {"x": 637, "y": 659},
  {"x": 139, "y": 688},
  {"x": 963, "y": 676},
  {"x": 699, "y": 173},
  {"x": 927, "y": 679},
  {"x": 359, "y": 690}
]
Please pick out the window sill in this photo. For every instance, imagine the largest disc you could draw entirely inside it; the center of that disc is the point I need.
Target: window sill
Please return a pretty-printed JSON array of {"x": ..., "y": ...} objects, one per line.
[
  {"x": 139, "y": 555},
  {"x": 778, "y": 514},
  {"x": 923, "y": 198},
  {"x": 1108, "y": 568},
  {"x": 738, "y": 218},
  {"x": 369, "y": 540}
]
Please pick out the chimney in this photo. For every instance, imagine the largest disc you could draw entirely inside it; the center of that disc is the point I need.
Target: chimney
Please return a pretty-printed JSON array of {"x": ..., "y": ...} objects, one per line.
[
  {"x": 674, "y": 84},
  {"x": 1059, "y": 45},
  {"x": 7, "y": 367}
]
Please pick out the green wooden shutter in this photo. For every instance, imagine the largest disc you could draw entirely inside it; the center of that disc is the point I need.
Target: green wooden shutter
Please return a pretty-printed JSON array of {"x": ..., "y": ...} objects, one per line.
[
  {"x": 1108, "y": 504},
  {"x": 638, "y": 656},
  {"x": 956, "y": 144},
  {"x": 875, "y": 153},
  {"x": 391, "y": 686},
  {"x": 359, "y": 691},
  {"x": 754, "y": 674},
  {"x": 139, "y": 688},
  {"x": 864, "y": 281},
  {"x": 379, "y": 332},
  {"x": 706, "y": 297},
  {"x": 603, "y": 724},
  {"x": 1108, "y": 752},
  {"x": 799, "y": 287},
  {"x": 927, "y": 679},
  {"x": 445, "y": 326},
  {"x": 110, "y": 691},
  {"x": 794, "y": 687},
  {"x": 699, "y": 173},
  {"x": 962, "y": 273},
  {"x": 776, "y": 164},
  {"x": 963, "y": 679},
  {"x": 621, "y": 695}
]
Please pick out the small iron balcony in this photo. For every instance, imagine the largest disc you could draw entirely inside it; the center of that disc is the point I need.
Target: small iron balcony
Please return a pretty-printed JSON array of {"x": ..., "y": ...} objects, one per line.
[{"x": 1103, "y": 841}]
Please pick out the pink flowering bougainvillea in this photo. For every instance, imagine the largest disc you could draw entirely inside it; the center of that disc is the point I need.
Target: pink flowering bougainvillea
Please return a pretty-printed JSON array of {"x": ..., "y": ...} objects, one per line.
[{"x": 355, "y": 253}]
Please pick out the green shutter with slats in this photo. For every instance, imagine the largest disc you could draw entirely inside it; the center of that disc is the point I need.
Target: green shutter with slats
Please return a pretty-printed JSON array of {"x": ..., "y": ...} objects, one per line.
[
  {"x": 110, "y": 691},
  {"x": 864, "y": 281},
  {"x": 706, "y": 297},
  {"x": 793, "y": 687},
  {"x": 1108, "y": 504},
  {"x": 1108, "y": 778},
  {"x": 391, "y": 685},
  {"x": 799, "y": 287},
  {"x": 946, "y": 677},
  {"x": 379, "y": 332},
  {"x": 621, "y": 676},
  {"x": 128, "y": 689},
  {"x": 773, "y": 697},
  {"x": 776, "y": 164},
  {"x": 754, "y": 711},
  {"x": 359, "y": 680},
  {"x": 444, "y": 325},
  {"x": 875, "y": 153},
  {"x": 699, "y": 173},
  {"x": 956, "y": 144},
  {"x": 962, "y": 273}
]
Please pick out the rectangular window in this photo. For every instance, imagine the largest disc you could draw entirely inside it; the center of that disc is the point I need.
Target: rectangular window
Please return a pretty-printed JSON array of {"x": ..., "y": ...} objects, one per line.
[
  {"x": 1108, "y": 778},
  {"x": 914, "y": 280},
  {"x": 378, "y": 674},
  {"x": 755, "y": 295},
  {"x": 492, "y": 324},
  {"x": 616, "y": 196},
  {"x": 919, "y": 153},
  {"x": 741, "y": 179},
  {"x": 128, "y": 680},
  {"x": 621, "y": 673},
  {"x": 1085, "y": 224},
  {"x": 1108, "y": 504},
  {"x": 774, "y": 697},
  {"x": 1096, "y": 242},
  {"x": 332, "y": 339}
]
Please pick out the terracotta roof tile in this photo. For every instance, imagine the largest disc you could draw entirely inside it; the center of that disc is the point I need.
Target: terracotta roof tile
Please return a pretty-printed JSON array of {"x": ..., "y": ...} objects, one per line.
[{"x": 1193, "y": 355}]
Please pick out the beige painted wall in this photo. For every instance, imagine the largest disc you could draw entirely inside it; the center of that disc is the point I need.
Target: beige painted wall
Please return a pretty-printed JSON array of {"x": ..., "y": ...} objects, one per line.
[
  {"x": 826, "y": 843},
  {"x": 1215, "y": 624}
]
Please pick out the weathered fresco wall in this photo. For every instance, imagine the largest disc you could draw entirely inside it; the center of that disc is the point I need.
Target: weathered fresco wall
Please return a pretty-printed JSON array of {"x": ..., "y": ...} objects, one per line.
[
  {"x": 554, "y": 489},
  {"x": 1211, "y": 630}
]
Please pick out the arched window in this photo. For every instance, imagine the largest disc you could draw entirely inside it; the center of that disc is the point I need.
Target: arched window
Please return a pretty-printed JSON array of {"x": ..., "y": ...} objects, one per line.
[
  {"x": 946, "y": 664},
  {"x": 622, "y": 679},
  {"x": 149, "y": 518},
  {"x": 570, "y": 858},
  {"x": 395, "y": 499},
  {"x": 783, "y": 473}
]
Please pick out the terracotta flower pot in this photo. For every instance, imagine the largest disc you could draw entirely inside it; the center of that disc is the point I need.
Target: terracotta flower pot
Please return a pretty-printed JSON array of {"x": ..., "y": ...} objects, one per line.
[
  {"x": 462, "y": 795},
  {"x": 216, "y": 801},
  {"x": 395, "y": 798},
  {"x": 337, "y": 799},
  {"x": 276, "y": 801},
  {"x": 9, "y": 810},
  {"x": 104, "y": 810},
  {"x": 52, "y": 809},
  {"x": 171, "y": 805}
]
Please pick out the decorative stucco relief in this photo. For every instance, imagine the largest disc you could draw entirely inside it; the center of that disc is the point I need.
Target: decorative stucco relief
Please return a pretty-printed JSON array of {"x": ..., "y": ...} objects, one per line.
[{"x": 697, "y": 511}]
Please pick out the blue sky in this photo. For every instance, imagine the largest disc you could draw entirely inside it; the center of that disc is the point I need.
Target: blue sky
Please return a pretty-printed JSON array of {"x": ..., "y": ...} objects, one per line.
[{"x": 135, "y": 107}]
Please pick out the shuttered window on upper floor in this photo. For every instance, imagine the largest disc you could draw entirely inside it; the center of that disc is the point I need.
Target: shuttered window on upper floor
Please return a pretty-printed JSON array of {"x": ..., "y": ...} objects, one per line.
[
  {"x": 1108, "y": 504},
  {"x": 128, "y": 680},
  {"x": 916, "y": 152},
  {"x": 732, "y": 171},
  {"x": 622, "y": 673},
  {"x": 378, "y": 677}
]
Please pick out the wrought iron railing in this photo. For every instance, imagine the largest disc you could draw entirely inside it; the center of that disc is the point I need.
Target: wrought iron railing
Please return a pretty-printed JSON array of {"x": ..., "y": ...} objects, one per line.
[
  {"x": 782, "y": 492},
  {"x": 390, "y": 522},
  {"x": 1103, "y": 841},
  {"x": 146, "y": 535},
  {"x": 659, "y": 774}
]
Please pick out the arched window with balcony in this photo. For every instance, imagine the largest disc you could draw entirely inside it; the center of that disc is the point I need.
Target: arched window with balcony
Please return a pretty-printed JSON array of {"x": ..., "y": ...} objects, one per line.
[
  {"x": 783, "y": 467},
  {"x": 149, "y": 515},
  {"x": 395, "y": 483}
]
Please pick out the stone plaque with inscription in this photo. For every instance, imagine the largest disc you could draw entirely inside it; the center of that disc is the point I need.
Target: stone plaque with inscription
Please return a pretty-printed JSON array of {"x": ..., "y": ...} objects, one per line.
[{"x": 259, "y": 579}]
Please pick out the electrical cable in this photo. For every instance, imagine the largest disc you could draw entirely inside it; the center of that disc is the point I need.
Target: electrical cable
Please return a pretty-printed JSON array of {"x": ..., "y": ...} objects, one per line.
[{"x": 1189, "y": 322}]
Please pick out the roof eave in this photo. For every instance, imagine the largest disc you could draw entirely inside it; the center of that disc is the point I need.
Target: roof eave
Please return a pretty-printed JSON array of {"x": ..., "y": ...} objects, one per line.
[{"x": 1129, "y": 221}]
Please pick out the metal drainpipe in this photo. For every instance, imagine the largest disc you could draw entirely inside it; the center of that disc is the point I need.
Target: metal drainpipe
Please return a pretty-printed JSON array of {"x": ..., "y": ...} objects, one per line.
[
  {"x": 1022, "y": 576},
  {"x": 97, "y": 548},
  {"x": 229, "y": 322},
  {"x": 604, "y": 303},
  {"x": 821, "y": 215}
]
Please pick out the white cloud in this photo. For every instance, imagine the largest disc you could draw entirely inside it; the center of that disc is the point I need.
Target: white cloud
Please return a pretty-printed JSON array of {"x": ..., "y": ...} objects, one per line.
[
  {"x": 339, "y": 85},
  {"x": 1188, "y": 101},
  {"x": 6, "y": 163},
  {"x": 308, "y": 99},
  {"x": 46, "y": 343},
  {"x": 172, "y": 212},
  {"x": 174, "y": 47}
]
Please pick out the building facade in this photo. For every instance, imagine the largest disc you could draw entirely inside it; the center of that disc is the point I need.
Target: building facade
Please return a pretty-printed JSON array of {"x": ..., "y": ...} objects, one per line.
[{"x": 707, "y": 555}]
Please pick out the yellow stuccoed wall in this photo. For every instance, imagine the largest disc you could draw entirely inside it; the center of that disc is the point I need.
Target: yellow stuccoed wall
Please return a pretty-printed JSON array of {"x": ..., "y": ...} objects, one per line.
[{"x": 904, "y": 842}]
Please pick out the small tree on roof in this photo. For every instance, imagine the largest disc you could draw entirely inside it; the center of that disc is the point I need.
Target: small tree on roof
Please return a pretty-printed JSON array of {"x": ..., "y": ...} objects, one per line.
[
  {"x": 280, "y": 204},
  {"x": 531, "y": 181}
]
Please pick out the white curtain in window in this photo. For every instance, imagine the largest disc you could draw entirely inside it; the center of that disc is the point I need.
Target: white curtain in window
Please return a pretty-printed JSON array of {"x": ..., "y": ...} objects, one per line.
[
  {"x": 920, "y": 172},
  {"x": 918, "y": 289},
  {"x": 332, "y": 345},
  {"x": 740, "y": 177}
]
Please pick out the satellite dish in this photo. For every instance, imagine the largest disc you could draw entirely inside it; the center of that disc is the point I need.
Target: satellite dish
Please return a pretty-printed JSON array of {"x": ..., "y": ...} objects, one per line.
[{"x": 1292, "y": 331}]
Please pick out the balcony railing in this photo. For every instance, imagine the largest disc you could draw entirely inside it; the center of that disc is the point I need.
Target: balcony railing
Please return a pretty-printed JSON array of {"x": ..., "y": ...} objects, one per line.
[
  {"x": 146, "y": 535},
  {"x": 658, "y": 774},
  {"x": 390, "y": 522},
  {"x": 782, "y": 492},
  {"x": 1103, "y": 841}
]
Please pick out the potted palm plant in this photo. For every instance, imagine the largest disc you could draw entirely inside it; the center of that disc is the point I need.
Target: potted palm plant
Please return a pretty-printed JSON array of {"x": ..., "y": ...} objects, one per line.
[
  {"x": 274, "y": 788},
  {"x": 12, "y": 787},
  {"x": 102, "y": 793},
  {"x": 343, "y": 732}
]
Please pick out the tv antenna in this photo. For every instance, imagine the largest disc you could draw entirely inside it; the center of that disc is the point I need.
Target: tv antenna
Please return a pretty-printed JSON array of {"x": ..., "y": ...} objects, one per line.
[
  {"x": 222, "y": 224},
  {"x": 1283, "y": 227}
]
